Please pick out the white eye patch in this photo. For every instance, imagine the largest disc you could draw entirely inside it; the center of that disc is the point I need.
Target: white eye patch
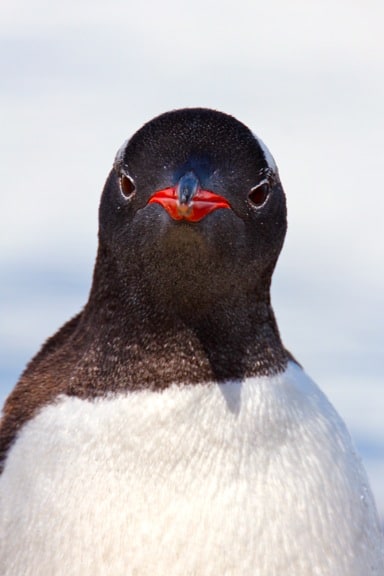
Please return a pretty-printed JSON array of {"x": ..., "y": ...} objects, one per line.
[
  {"x": 120, "y": 154},
  {"x": 267, "y": 155}
]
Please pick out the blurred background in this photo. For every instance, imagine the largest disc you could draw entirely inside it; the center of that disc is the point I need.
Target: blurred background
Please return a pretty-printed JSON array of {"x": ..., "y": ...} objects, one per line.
[{"x": 78, "y": 78}]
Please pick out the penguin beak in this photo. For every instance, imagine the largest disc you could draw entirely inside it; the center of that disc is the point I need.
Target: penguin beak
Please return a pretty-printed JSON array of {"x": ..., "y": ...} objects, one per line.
[{"x": 187, "y": 200}]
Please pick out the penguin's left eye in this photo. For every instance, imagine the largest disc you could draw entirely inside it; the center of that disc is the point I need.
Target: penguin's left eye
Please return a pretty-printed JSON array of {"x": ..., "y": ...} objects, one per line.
[
  {"x": 127, "y": 186},
  {"x": 259, "y": 193}
]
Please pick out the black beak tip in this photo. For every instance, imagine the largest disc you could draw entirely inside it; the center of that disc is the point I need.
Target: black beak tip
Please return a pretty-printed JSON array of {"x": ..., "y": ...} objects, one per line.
[{"x": 187, "y": 187}]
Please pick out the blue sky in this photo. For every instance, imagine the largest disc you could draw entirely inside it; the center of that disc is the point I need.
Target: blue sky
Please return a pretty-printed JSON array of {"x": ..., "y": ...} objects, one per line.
[{"x": 80, "y": 77}]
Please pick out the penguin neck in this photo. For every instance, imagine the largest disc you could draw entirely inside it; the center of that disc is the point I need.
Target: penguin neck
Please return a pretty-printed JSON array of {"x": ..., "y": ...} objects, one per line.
[{"x": 155, "y": 346}]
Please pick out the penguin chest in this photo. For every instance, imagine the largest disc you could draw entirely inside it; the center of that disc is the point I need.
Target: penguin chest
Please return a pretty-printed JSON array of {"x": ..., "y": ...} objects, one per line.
[{"x": 242, "y": 478}]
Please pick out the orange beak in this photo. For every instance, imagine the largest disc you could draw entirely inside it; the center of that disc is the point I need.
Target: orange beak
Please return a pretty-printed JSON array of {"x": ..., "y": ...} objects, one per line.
[{"x": 202, "y": 203}]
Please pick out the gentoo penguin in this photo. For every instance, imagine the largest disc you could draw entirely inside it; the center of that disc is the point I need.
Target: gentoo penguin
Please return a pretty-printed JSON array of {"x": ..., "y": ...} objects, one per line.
[{"x": 165, "y": 430}]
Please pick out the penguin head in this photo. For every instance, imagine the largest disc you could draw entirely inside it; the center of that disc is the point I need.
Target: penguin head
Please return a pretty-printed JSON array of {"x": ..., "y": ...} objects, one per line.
[{"x": 193, "y": 207}]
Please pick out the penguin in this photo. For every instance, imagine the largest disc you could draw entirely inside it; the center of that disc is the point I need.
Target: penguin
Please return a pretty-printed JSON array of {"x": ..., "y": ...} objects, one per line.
[{"x": 165, "y": 429}]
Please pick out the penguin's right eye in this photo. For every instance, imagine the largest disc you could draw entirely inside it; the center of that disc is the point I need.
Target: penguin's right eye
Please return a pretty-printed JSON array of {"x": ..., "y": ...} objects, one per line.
[
  {"x": 259, "y": 193},
  {"x": 127, "y": 186}
]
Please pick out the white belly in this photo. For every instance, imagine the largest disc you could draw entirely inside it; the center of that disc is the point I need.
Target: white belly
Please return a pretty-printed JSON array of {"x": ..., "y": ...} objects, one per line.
[{"x": 257, "y": 478}]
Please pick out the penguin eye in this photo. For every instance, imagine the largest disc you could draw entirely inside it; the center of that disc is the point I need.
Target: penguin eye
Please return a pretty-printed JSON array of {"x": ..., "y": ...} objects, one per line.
[
  {"x": 127, "y": 186},
  {"x": 259, "y": 193}
]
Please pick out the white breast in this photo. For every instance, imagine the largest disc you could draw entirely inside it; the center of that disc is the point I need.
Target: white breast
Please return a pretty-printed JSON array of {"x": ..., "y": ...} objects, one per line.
[{"x": 255, "y": 478}]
